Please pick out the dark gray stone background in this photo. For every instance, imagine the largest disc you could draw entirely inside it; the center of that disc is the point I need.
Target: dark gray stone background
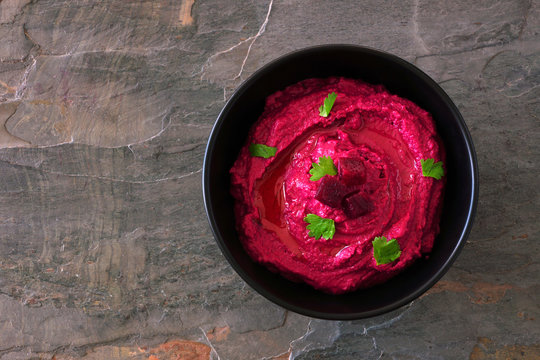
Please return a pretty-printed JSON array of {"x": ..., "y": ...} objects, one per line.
[{"x": 105, "y": 250}]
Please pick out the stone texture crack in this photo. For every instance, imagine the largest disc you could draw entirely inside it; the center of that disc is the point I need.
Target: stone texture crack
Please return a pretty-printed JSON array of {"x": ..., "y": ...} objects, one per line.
[
  {"x": 19, "y": 93},
  {"x": 254, "y": 38},
  {"x": 214, "y": 354},
  {"x": 250, "y": 40}
]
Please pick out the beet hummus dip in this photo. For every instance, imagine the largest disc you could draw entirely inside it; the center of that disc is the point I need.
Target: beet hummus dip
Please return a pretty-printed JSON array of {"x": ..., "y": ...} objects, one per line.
[{"x": 376, "y": 141}]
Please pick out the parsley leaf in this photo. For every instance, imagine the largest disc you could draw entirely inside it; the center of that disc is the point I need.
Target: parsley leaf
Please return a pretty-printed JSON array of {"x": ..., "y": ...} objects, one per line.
[
  {"x": 324, "y": 110},
  {"x": 385, "y": 251},
  {"x": 432, "y": 169},
  {"x": 324, "y": 167},
  {"x": 261, "y": 150},
  {"x": 319, "y": 226}
]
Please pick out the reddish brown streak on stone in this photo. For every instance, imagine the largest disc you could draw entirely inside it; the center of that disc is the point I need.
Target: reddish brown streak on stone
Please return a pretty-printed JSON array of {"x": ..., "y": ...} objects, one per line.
[
  {"x": 185, "y": 12},
  {"x": 180, "y": 350},
  {"x": 171, "y": 350},
  {"x": 219, "y": 333},
  {"x": 480, "y": 293},
  {"x": 9, "y": 89},
  {"x": 522, "y": 236},
  {"x": 524, "y": 316},
  {"x": 485, "y": 293},
  {"x": 285, "y": 356},
  {"x": 486, "y": 349}
]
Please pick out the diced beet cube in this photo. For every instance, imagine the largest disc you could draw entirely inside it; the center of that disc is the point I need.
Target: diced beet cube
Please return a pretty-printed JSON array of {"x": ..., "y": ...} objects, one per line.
[
  {"x": 331, "y": 191},
  {"x": 355, "y": 206},
  {"x": 351, "y": 171}
]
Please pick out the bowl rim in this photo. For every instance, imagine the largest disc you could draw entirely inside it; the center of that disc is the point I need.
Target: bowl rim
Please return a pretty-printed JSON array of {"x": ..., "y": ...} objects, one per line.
[{"x": 472, "y": 163}]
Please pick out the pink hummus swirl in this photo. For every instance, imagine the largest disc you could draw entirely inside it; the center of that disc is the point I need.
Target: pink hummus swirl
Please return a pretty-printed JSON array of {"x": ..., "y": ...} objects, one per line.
[{"x": 385, "y": 134}]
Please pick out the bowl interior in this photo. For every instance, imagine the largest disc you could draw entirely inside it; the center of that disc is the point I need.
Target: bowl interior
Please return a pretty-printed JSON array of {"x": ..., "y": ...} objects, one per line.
[{"x": 399, "y": 77}]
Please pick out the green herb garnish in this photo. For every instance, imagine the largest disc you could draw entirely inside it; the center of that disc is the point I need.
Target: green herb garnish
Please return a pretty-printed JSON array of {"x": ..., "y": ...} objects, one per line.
[
  {"x": 324, "y": 110},
  {"x": 261, "y": 150},
  {"x": 319, "y": 226},
  {"x": 324, "y": 167},
  {"x": 433, "y": 169},
  {"x": 385, "y": 251}
]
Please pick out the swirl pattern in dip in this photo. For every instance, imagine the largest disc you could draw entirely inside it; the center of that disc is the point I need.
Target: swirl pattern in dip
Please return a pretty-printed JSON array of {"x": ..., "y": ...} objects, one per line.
[{"x": 380, "y": 135}]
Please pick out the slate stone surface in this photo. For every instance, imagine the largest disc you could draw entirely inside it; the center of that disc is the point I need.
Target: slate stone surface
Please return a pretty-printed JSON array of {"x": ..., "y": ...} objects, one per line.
[{"x": 105, "y": 251}]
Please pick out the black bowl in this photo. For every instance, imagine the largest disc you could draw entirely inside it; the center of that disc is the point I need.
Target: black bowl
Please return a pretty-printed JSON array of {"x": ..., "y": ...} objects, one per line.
[{"x": 400, "y": 77}]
